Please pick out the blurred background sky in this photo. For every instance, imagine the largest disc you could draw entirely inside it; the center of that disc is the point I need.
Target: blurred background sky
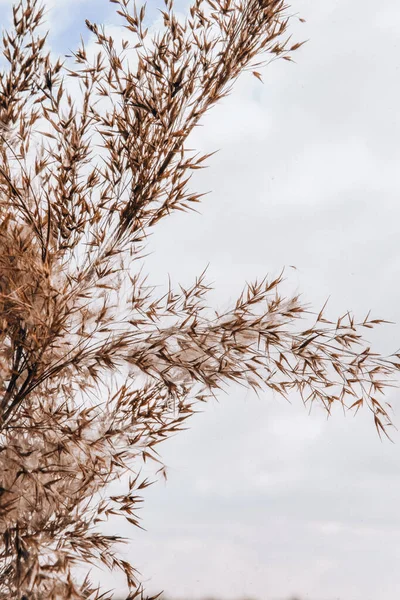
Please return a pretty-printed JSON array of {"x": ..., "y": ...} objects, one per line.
[{"x": 263, "y": 499}]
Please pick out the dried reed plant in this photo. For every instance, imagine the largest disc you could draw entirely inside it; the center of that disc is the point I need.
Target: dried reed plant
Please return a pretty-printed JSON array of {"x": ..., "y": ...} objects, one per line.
[{"x": 95, "y": 368}]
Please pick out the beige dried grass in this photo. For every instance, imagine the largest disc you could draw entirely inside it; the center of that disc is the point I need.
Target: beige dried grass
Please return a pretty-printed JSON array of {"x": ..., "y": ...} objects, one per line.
[{"x": 96, "y": 368}]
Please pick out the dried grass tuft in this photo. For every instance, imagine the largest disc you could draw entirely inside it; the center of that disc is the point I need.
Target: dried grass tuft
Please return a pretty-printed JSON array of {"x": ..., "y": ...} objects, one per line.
[{"x": 95, "y": 368}]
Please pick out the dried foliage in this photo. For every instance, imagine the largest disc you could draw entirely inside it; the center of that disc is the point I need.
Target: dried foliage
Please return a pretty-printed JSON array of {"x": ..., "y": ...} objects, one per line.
[{"x": 95, "y": 367}]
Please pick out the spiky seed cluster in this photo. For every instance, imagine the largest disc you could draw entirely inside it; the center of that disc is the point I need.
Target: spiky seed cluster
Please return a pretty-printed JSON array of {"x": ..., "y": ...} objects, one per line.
[{"x": 95, "y": 367}]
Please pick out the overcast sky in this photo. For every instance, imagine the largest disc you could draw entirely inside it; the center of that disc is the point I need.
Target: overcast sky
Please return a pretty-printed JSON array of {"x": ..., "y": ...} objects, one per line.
[{"x": 262, "y": 498}]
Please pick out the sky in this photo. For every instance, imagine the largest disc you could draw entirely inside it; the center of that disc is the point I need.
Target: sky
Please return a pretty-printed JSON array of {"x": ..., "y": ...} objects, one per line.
[{"x": 263, "y": 499}]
